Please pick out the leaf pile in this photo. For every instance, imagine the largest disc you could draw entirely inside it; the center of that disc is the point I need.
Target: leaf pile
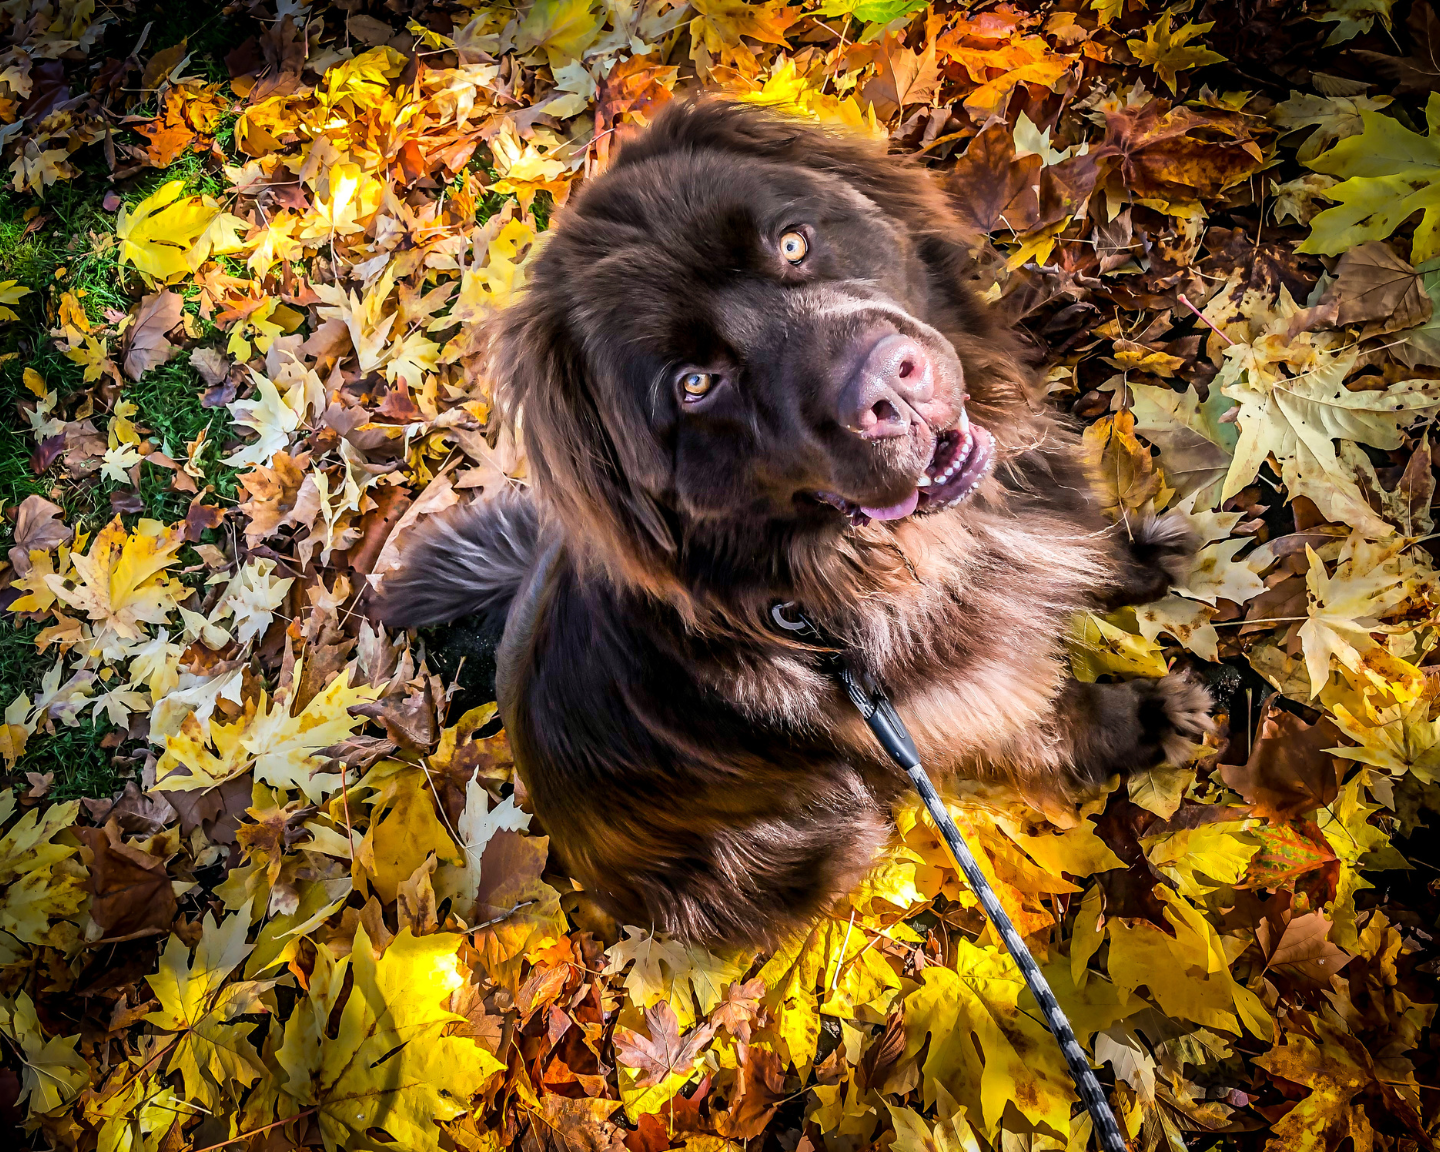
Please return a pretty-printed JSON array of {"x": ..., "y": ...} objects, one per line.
[{"x": 267, "y": 877}]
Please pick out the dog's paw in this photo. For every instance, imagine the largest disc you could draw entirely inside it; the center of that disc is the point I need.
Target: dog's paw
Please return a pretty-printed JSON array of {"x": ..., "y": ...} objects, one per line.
[
  {"x": 1167, "y": 543},
  {"x": 1155, "y": 555},
  {"x": 1124, "y": 728},
  {"x": 1172, "y": 713}
]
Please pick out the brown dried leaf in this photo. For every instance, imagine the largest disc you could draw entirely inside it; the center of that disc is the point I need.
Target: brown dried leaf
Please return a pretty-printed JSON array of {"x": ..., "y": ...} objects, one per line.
[
  {"x": 759, "y": 1090},
  {"x": 38, "y": 528},
  {"x": 663, "y": 1051},
  {"x": 1288, "y": 773},
  {"x": 132, "y": 894},
  {"x": 1374, "y": 285},
  {"x": 1302, "y": 943},
  {"x": 147, "y": 347}
]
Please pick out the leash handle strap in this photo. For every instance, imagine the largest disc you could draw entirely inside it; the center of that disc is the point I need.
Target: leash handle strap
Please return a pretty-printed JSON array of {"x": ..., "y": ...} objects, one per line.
[{"x": 890, "y": 731}]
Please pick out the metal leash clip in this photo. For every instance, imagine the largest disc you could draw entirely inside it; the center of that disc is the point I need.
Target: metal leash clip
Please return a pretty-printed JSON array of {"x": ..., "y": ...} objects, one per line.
[{"x": 791, "y": 619}]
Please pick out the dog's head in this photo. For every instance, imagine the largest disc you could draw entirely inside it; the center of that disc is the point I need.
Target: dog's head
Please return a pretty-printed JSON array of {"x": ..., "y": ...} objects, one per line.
[{"x": 751, "y": 330}]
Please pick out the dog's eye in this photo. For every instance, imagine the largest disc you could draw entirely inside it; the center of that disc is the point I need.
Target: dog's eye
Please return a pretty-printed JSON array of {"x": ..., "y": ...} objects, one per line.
[
  {"x": 793, "y": 247},
  {"x": 696, "y": 384}
]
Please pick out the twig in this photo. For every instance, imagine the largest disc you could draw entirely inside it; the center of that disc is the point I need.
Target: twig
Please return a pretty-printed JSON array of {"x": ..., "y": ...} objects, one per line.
[
  {"x": 1185, "y": 300},
  {"x": 345, "y": 802},
  {"x": 445, "y": 816},
  {"x": 1261, "y": 620}
]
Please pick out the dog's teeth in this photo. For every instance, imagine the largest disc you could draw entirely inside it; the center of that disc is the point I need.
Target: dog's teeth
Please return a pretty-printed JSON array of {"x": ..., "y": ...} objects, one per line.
[
  {"x": 963, "y": 427},
  {"x": 923, "y": 482}
]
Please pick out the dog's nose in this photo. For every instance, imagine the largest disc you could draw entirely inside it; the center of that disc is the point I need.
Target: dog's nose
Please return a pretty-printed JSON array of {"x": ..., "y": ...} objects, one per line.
[{"x": 878, "y": 400}]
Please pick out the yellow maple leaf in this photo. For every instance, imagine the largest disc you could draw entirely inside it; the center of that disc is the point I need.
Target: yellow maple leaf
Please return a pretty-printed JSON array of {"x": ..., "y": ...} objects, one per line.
[
  {"x": 1112, "y": 645},
  {"x": 15, "y": 729},
  {"x": 54, "y": 1072},
  {"x": 121, "y": 581},
  {"x": 1388, "y": 172},
  {"x": 1371, "y": 581},
  {"x": 400, "y": 841},
  {"x": 270, "y": 416},
  {"x": 830, "y": 969},
  {"x": 1402, "y": 739},
  {"x": 350, "y": 195},
  {"x": 280, "y": 748},
  {"x": 410, "y": 358},
  {"x": 977, "y": 1005},
  {"x": 523, "y": 169},
  {"x": 39, "y": 596},
  {"x": 788, "y": 90},
  {"x": 720, "y": 24},
  {"x": 388, "y": 1065},
  {"x": 166, "y": 236},
  {"x": 1126, "y": 474},
  {"x": 1187, "y": 973},
  {"x": 363, "y": 81},
  {"x": 42, "y": 887},
  {"x": 212, "y": 1048},
  {"x": 11, "y": 292},
  {"x": 35, "y": 168},
  {"x": 1164, "y": 50},
  {"x": 258, "y": 328},
  {"x": 1202, "y": 860},
  {"x": 950, "y": 1132},
  {"x": 369, "y": 328},
  {"x": 562, "y": 29},
  {"x": 82, "y": 346},
  {"x": 1325, "y": 1117}
]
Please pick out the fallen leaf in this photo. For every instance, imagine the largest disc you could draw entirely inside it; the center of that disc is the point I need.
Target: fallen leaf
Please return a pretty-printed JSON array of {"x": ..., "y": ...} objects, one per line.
[
  {"x": 663, "y": 1052},
  {"x": 1375, "y": 287},
  {"x": 147, "y": 347},
  {"x": 38, "y": 528},
  {"x": 1302, "y": 944},
  {"x": 131, "y": 891},
  {"x": 1166, "y": 51},
  {"x": 1289, "y": 772}
]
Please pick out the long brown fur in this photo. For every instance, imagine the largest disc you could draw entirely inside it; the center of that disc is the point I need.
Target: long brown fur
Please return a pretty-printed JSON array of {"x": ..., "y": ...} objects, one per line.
[{"x": 698, "y": 772}]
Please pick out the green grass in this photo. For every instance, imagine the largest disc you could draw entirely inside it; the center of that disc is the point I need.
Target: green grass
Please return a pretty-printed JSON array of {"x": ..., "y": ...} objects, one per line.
[
  {"x": 169, "y": 401},
  {"x": 81, "y": 767},
  {"x": 72, "y": 250}
]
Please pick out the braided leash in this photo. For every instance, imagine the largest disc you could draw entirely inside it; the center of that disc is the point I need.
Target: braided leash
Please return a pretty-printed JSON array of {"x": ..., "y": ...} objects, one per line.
[{"x": 890, "y": 731}]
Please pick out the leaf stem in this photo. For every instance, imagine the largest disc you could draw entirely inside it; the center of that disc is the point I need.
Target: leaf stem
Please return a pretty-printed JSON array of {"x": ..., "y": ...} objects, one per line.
[
  {"x": 1185, "y": 300},
  {"x": 257, "y": 1131}
]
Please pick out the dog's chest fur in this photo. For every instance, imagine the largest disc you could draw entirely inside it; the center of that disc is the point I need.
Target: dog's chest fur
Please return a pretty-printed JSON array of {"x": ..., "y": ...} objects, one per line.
[{"x": 974, "y": 678}]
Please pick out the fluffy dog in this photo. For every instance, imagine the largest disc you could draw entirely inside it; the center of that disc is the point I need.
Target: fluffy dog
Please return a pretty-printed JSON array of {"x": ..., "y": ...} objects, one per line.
[{"x": 752, "y": 369}]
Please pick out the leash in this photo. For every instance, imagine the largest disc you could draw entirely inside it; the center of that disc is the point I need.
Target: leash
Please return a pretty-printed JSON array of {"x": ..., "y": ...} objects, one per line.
[{"x": 875, "y": 707}]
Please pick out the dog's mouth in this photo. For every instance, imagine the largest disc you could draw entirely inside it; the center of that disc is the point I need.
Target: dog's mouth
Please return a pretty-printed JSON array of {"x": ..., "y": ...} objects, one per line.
[{"x": 962, "y": 458}]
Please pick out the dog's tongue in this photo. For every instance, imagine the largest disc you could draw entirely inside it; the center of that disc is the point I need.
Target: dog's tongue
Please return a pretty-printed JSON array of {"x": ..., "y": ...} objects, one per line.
[{"x": 895, "y": 511}]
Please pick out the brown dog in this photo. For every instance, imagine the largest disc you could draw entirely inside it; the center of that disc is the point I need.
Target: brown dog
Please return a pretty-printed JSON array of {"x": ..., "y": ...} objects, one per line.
[{"x": 751, "y": 370}]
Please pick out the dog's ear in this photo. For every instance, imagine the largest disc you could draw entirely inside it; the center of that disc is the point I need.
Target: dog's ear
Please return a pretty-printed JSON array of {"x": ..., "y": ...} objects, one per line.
[{"x": 544, "y": 386}]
